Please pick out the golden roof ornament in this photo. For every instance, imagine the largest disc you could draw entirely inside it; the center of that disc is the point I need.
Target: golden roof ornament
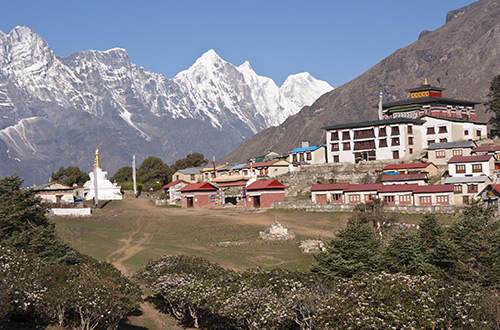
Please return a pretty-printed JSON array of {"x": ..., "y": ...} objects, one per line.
[{"x": 97, "y": 163}]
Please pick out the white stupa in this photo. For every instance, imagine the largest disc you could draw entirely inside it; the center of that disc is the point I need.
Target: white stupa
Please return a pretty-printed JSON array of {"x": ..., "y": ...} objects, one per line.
[{"x": 105, "y": 189}]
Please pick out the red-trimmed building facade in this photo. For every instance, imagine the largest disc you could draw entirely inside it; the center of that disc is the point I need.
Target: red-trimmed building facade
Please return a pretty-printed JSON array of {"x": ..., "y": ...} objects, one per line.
[
  {"x": 197, "y": 195},
  {"x": 395, "y": 195},
  {"x": 261, "y": 194}
]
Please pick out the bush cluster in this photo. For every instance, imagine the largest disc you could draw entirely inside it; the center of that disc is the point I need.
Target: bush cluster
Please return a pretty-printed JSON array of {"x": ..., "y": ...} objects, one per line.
[
  {"x": 43, "y": 281},
  {"x": 201, "y": 294}
]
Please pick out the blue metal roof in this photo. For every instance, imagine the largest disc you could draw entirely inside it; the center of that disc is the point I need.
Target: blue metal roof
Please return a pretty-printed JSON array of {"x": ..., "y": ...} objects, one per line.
[
  {"x": 239, "y": 166},
  {"x": 305, "y": 149}
]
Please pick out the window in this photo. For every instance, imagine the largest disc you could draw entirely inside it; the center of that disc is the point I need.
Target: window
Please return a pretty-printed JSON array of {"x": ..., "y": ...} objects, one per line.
[
  {"x": 301, "y": 157},
  {"x": 335, "y": 136},
  {"x": 440, "y": 153},
  {"x": 410, "y": 140},
  {"x": 335, "y": 147},
  {"x": 294, "y": 157},
  {"x": 443, "y": 140},
  {"x": 405, "y": 199},
  {"x": 191, "y": 177},
  {"x": 477, "y": 168},
  {"x": 308, "y": 156},
  {"x": 346, "y": 146},
  {"x": 466, "y": 132},
  {"x": 465, "y": 200},
  {"x": 442, "y": 199},
  {"x": 425, "y": 200},
  {"x": 382, "y": 131},
  {"x": 457, "y": 189},
  {"x": 472, "y": 188},
  {"x": 458, "y": 153},
  {"x": 395, "y": 130},
  {"x": 389, "y": 199},
  {"x": 478, "y": 132},
  {"x": 336, "y": 198},
  {"x": 346, "y": 136},
  {"x": 443, "y": 129},
  {"x": 410, "y": 129},
  {"x": 336, "y": 158},
  {"x": 430, "y": 130},
  {"x": 382, "y": 143},
  {"x": 460, "y": 168},
  {"x": 394, "y": 141},
  {"x": 429, "y": 142},
  {"x": 410, "y": 151},
  {"x": 177, "y": 177},
  {"x": 354, "y": 198},
  {"x": 395, "y": 154}
]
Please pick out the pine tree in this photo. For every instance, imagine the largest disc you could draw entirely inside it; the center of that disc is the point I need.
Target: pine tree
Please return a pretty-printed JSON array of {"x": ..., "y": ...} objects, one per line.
[{"x": 493, "y": 103}]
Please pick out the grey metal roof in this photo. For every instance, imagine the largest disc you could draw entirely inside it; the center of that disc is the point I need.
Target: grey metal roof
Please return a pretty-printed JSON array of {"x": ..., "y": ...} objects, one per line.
[
  {"x": 451, "y": 145},
  {"x": 191, "y": 170},
  {"x": 466, "y": 179}
]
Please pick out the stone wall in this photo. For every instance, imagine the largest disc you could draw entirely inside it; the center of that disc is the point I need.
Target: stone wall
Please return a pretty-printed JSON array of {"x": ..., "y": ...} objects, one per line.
[{"x": 309, "y": 206}]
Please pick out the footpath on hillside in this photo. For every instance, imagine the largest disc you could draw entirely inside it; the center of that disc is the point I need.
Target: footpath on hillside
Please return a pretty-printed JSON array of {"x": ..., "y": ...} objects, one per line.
[{"x": 151, "y": 318}]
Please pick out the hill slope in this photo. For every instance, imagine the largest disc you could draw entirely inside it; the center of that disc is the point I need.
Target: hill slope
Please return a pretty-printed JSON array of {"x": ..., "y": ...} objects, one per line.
[{"x": 461, "y": 56}]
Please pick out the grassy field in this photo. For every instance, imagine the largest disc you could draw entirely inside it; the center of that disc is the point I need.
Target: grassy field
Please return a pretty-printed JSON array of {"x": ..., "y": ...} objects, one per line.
[{"x": 133, "y": 232}]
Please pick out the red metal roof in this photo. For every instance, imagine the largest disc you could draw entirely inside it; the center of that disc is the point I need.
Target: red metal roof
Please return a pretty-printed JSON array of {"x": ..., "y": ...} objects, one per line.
[
  {"x": 407, "y": 166},
  {"x": 470, "y": 159},
  {"x": 496, "y": 187},
  {"x": 266, "y": 184},
  {"x": 364, "y": 187},
  {"x": 404, "y": 177},
  {"x": 199, "y": 186},
  {"x": 434, "y": 188},
  {"x": 168, "y": 185},
  {"x": 398, "y": 188},
  {"x": 486, "y": 148},
  {"x": 261, "y": 164},
  {"x": 330, "y": 186}
]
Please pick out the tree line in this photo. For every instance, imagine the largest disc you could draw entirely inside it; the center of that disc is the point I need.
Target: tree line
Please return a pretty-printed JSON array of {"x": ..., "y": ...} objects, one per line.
[{"x": 152, "y": 173}]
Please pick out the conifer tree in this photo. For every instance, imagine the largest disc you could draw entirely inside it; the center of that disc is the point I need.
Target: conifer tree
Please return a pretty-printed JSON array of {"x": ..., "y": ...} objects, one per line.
[{"x": 493, "y": 103}]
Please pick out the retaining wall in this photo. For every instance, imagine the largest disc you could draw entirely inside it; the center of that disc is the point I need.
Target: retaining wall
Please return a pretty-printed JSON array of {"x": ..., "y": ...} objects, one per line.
[{"x": 309, "y": 206}]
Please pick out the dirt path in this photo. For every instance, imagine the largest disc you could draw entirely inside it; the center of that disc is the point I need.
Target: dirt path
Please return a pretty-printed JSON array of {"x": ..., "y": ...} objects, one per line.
[{"x": 131, "y": 247}]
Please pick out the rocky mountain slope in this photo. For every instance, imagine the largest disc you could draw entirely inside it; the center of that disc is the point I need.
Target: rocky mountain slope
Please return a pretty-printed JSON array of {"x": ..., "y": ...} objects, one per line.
[
  {"x": 54, "y": 111},
  {"x": 461, "y": 56}
]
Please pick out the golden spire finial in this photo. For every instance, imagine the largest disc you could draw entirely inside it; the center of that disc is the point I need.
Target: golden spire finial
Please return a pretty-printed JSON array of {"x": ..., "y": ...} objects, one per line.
[
  {"x": 425, "y": 82},
  {"x": 97, "y": 163}
]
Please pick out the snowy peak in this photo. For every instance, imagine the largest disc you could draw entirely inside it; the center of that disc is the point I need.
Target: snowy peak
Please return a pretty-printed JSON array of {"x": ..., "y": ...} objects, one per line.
[{"x": 211, "y": 107}]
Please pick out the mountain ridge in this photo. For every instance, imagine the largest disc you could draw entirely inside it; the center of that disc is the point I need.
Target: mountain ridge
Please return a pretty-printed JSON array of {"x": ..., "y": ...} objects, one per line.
[{"x": 101, "y": 99}]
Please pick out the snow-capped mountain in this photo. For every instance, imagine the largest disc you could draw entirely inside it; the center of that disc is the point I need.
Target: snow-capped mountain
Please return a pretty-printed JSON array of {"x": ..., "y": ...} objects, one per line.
[{"x": 55, "y": 110}]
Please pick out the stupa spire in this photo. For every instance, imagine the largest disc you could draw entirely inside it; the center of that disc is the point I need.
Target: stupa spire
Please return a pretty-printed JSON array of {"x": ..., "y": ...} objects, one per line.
[{"x": 97, "y": 163}]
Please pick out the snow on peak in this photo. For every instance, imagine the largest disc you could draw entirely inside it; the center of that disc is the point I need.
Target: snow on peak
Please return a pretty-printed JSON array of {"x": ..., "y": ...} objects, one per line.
[
  {"x": 245, "y": 66},
  {"x": 116, "y": 49},
  {"x": 209, "y": 58}
]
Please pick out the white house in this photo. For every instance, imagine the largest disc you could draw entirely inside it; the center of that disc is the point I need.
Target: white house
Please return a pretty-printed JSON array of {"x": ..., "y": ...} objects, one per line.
[{"x": 469, "y": 175}]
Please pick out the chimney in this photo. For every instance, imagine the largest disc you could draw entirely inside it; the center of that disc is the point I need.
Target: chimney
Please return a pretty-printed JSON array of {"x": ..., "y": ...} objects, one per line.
[{"x": 305, "y": 143}]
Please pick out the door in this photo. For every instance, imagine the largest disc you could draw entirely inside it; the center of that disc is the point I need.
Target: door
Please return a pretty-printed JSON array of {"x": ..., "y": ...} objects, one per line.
[
  {"x": 321, "y": 199},
  {"x": 256, "y": 201},
  {"x": 189, "y": 201},
  {"x": 395, "y": 154}
]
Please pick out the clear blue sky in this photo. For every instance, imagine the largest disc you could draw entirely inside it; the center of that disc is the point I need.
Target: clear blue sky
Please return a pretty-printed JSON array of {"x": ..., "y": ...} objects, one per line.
[{"x": 333, "y": 40}]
